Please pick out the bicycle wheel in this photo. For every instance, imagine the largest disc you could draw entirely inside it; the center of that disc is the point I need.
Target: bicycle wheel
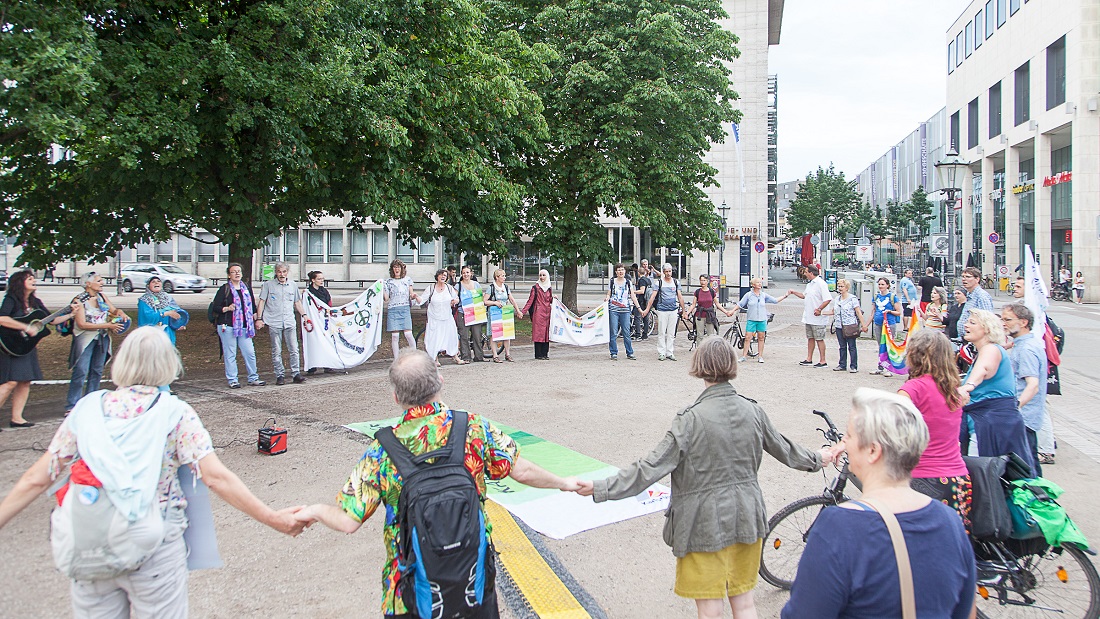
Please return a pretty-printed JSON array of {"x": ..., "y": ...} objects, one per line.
[
  {"x": 788, "y": 531},
  {"x": 752, "y": 346},
  {"x": 1061, "y": 582}
]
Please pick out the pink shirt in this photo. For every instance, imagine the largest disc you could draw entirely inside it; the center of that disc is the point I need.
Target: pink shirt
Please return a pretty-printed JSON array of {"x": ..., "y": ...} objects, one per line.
[{"x": 942, "y": 458}]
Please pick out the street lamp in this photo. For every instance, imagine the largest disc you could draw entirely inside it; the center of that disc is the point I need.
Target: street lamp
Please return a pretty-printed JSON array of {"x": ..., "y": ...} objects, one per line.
[
  {"x": 949, "y": 172},
  {"x": 722, "y": 295}
]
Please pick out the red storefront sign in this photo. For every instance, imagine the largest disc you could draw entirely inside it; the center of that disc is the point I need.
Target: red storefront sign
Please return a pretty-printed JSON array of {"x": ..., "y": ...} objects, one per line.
[
  {"x": 1069, "y": 237},
  {"x": 1061, "y": 177}
]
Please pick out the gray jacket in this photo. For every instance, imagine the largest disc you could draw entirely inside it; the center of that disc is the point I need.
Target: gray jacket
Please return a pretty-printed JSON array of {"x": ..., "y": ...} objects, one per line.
[{"x": 713, "y": 451}]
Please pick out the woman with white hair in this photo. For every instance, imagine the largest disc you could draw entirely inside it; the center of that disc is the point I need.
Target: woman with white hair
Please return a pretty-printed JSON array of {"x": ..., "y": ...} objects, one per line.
[
  {"x": 669, "y": 302},
  {"x": 538, "y": 307},
  {"x": 110, "y": 439},
  {"x": 849, "y": 567},
  {"x": 94, "y": 319},
  {"x": 755, "y": 303},
  {"x": 989, "y": 391}
]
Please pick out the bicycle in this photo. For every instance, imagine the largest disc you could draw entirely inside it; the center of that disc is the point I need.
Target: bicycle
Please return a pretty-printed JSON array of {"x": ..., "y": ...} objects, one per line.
[
  {"x": 735, "y": 335},
  {"x": 1060, "y": 292},
  {"x": 682, "y": 321},
  {"x": 1016, "y": 578}
]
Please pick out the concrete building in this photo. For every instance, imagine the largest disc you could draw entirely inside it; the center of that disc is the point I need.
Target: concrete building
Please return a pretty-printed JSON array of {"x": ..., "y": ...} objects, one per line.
[
  {"x": 746, "y": 185},
  {"x": 1023, "y": 85}
]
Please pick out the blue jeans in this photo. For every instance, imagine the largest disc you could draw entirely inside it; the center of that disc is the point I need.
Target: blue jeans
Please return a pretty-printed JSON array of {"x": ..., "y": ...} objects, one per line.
[
  {"x": 620, "y": 321},
  {"x": 847, "y": 347},
  {"x": 88, "y": 371},
  {"x": 230, "y": 344},
  {"x": 278, "y": 336}
]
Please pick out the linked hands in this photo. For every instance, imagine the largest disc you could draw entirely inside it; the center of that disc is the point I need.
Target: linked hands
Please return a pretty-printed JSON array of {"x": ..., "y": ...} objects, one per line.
[{"x": 287, "y": 521}]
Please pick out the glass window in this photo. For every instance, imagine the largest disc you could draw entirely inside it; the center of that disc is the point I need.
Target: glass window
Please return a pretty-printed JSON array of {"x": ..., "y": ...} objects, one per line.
[
  {"x": 1061, "y": 195},
  {"x": 989, "y": 26},
  {"x": 978, "y": 27},
  {"x": 1002, "y": 13},
  {"x": 426, "y": 253},
  {"x": 1013, "y": 6},
  {"x": 951, "y": 57},
  {"x": 972, "y": 124},
  {"x": 271, "y": 248},
  {"x": 164, "y": 251},
  {"x": 315, "y": 245},
  {"x": 335, "y": 246},
  {"x": 184, "y": 248},
  {"x": 290, "y": 246},
  {"x": 360, "y": 252},
  {"x": 969, "y": 38},
  {"x": 958, "y": 49},
  {"x": 406, "y": 252},
  {"x": 380, "y": 246},
  {"x": 207, "y": 246},
  {"x": 1056, "y": 73},
  {"x": 1022, "y": 103},
  {"x": 223, "y": 252},
  {"x": 1027, "y": 198},
  {"x": 995, "y": 110},
  {"x": 144, "y": 252},
  {"x": 955, "y": 143}
]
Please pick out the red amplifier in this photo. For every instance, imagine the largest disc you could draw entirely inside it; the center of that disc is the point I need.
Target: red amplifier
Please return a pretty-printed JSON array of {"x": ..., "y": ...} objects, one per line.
[{"x": 272, "y": 440}]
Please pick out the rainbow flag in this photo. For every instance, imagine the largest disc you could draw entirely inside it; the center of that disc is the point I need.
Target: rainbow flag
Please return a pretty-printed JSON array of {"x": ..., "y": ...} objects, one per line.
[{"x": 891, "y": 354}]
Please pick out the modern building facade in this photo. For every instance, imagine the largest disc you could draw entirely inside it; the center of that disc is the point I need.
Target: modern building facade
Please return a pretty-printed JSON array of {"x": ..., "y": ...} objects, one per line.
[
  {"x": 746, "y": 186},
  {"x": 1023, "y": 86}
]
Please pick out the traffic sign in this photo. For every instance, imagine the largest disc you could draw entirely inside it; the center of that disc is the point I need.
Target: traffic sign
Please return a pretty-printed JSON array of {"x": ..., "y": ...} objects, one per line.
[
  {"x": 1003, "y": 270},
  {"x": 864, "y": 240},
  {"x": 759, "y": 247},
  {"x": 994, "y": 238},
  {"x": 864, "y": 253}
]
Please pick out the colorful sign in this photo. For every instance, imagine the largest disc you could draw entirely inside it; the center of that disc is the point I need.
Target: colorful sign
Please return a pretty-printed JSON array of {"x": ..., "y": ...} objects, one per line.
[
  {"x": 345, "y": 336},
  {"x": 502, "y": 322},
  {"x": 589, "y": 330},
  {"x": 1061, "y": 177},
  {"x": 994, "y": 238},
  {"x": 473, "y": 305},
  {"x": 759, "y": 247}
]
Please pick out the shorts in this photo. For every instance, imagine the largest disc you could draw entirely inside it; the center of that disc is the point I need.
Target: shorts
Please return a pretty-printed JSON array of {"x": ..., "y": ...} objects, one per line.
[
  {"x": 1080, "y": 292},
  {"x": 717, "y": 575},
  {"x": 756, "y": 326},
  {"x": 399, "y": 318},
  {"x": 907, "y": 310},
  {"x": 815, "y": 332}
]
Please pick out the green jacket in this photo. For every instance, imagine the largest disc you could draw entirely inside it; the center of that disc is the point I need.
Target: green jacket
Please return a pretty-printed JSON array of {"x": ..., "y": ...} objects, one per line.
[
  {"x": 713, "y": 452},
  {"x": 1056, "y": 526}
]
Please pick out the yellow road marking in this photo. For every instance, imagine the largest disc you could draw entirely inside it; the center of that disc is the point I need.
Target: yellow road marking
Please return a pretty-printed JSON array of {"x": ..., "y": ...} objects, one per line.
[{"x": 544, "y": 591}]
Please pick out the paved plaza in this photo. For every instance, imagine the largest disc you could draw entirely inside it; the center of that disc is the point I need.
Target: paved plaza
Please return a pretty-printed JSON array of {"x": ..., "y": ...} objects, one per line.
[{"x": 614, "y": 411}]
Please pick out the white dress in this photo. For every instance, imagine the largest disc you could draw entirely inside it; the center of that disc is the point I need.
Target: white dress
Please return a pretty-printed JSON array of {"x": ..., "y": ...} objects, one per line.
[{"x": 441, "y": 334}]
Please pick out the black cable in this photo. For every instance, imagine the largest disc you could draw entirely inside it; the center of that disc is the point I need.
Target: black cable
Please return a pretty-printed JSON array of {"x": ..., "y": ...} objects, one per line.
[
  {"x": 35, "y": 446},
  {"x": 234, "y": 442}
]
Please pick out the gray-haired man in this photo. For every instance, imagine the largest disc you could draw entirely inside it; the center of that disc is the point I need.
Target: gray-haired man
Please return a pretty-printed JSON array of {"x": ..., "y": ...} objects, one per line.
[{"x": 278, "y": 299}]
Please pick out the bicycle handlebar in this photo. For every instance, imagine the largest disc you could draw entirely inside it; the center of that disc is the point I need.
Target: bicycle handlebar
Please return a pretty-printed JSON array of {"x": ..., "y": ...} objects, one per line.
[{"x": 832, "y": 434}]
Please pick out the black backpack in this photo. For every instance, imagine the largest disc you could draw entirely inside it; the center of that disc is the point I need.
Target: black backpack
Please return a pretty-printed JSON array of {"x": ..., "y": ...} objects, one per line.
[
  {"x": 212, "y": 312},
  {"x": 447, "y": 563}
]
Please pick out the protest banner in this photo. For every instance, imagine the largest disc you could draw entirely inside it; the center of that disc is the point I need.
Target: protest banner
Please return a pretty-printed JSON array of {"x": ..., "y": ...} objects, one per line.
[
  {"x": 473, "y": 305},
  {"x": 589, "y": 330},
  {"x": 345, "y": 336},
  {"x": 502, "y": 322}
]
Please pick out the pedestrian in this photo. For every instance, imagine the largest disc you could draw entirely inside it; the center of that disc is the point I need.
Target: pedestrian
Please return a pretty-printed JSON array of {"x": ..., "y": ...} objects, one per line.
[
  {"x": 500, "y": 296},
  {"x": 1046, "y": 444},
  {"x": 705, "y": 302},
  {"x": 316, "y": 288},
  {"x": 954, "y": 314},
  {"x": 816, "y": 298},
  {"x": 909, "y": 298},
  {"x": 642, "y": 291},
  {"x": 887, "y": 312},
  {"x": 158, "y": 308},
  {"x": 49, "y": 274},
  {"x": 933, "y": 387},
  {"x": 1029, "y": 367},
  {"x": 849, "y": 324},
  {"x": 668, "y": 302},
  {"x": 426, "y": 426},
  {"x": 236, "y": 324},
  {"x": 143, "y": 424},
  {"x": 279, "y": 298},
  {"x": 398, "y": 294},
  {"x": 719, "y": 523},
  {"x": 452, "y": 276},
  {"x": 17, "y": 372},
  {"x": 1079, "y": 288},
  {"x": 469, "y": 336},
  {"x": 989, "y": 391},
  {"x": 1064, "y": 279},
  {"x": 849, "y": 567},
  {"x": 441, "y": 332},
  {"x": 935, "y": 311},
  {"x": 538, "y": 308},
  {"x": 927, "y": 284},
  {"x": 755, "y": 303},
  {"x": 976, "y": 296},
  {"x": 620, "y": 303},
  {"x": 94, "y": 319}
]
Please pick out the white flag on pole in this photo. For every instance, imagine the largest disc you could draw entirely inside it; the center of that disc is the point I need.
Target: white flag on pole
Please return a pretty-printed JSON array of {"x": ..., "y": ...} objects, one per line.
[{"x": 1036, "y": 292}]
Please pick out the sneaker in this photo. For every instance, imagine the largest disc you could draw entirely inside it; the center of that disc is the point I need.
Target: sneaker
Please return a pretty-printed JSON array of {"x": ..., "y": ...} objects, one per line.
[
  {"x": 760, "y": 360},
  {"x": 1046, "y": 458},
  {"x": 742, "y": 359},
  {"x": 311, "y": 371},
  {"x": 670, "y": 358},
  {"x": 231, "y": 386},
  {"x": 821, "y": 365},
  {"x": 298, "y": 378},
  {"x": 839, "y": 368},
  {"x": 614, "y": 357},
  {"x": 256, "y": 383},
  {"x": 876, "y": 372},
  {"x": 279, "y": 380},
  {"x": 632, "y": 357},
  {"x": 806, "y": 363},
  {"x": 332, "y": 371},
  {"x": 854, "y": 371},
  {"x": 660, "y": 357}
]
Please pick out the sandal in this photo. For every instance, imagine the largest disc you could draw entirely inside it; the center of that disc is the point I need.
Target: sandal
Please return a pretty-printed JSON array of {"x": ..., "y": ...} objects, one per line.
[
  {"x": 509, "y": 359},
  {"x": 497, "y": 360}
]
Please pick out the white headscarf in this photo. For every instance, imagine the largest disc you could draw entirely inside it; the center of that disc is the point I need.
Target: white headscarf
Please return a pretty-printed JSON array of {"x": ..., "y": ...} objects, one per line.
[{"x": 544, "y": 283}]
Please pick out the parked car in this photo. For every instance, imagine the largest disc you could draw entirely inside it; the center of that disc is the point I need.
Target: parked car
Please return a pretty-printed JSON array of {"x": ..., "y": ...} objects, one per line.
[
  {"x": 3, "y": 280},
  {"x": 174, "y": 278}
]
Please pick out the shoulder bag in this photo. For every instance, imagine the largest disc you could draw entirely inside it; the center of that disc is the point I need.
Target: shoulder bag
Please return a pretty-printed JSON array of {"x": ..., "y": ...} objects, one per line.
[{"x": 901, "y": 553}]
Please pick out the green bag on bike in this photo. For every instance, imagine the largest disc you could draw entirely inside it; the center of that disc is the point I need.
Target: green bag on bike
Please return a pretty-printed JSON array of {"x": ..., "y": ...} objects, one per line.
[{"x": 1036, "y": 513}]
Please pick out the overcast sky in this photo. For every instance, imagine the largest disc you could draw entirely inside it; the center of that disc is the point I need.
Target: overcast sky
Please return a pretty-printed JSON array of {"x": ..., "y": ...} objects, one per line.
[{"x": 855, "y": 77}]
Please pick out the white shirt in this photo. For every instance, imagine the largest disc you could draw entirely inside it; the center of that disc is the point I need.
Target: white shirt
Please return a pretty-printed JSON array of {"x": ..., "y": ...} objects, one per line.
[{"x": 817, "y": 293}]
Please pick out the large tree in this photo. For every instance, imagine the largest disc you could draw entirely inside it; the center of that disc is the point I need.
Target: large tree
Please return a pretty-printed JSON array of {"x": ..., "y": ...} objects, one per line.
[
  {"x": 247, "y": 117},
  {"x": 825, "y": 193},
  {"x": 638, "y": 91},
  {"x": 902, "y": 217}
]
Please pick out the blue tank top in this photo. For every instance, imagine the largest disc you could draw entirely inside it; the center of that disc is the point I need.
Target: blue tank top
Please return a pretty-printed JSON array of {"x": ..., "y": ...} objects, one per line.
[{"x": 1000, "y": 385}]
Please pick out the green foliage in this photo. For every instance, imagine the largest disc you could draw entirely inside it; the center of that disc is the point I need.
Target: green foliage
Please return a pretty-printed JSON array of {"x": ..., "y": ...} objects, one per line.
[
  {"x": 902, "y": 217},
  {"x": 244, "y": 118},
  {"x": 635, "y": 94},
  {"x": 866, "y": 215},
  {"x": 823, "y": 194}
]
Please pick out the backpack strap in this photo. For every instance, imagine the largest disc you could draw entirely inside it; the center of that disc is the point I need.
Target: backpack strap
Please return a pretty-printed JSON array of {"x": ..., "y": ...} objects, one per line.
[{"x": 407, "y": 463}]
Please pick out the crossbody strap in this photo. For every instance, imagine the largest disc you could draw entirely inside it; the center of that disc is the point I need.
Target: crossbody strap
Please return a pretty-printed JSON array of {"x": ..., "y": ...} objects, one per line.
[{"x": 901, "y": 553}]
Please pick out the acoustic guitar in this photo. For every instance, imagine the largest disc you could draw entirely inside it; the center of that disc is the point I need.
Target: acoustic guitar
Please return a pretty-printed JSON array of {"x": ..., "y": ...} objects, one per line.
[{"x": 16, "y": 342}]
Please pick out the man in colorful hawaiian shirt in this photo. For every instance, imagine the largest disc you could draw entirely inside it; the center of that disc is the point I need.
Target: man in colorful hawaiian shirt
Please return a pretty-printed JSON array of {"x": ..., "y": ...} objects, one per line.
[{"x": 425, "y": 426}]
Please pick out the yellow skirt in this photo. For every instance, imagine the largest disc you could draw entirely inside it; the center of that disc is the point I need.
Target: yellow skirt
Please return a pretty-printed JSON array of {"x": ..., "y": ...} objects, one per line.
[{"x": 721, "y": 574}]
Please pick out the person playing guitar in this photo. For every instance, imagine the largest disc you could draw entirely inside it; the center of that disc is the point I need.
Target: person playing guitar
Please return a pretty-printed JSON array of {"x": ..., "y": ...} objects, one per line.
[{"x": 17, "y": 372}]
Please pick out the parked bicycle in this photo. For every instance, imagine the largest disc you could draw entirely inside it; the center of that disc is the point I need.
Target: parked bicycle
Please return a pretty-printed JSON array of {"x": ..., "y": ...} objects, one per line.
[
  {"x": 1016, "y": 578},
  {"x": 735, "y": 335}
]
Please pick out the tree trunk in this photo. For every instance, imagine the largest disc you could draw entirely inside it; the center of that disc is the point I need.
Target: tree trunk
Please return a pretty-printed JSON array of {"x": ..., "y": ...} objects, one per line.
[
  {"x": 243, "y": 255},
  {"x": 569, "y": 286}
]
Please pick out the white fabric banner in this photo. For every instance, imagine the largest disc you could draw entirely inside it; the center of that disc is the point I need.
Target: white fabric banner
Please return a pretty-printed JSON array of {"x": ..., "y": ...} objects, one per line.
[
  {"x": 589, "y": 330},
  {"x": 342, "y": 337},
  {"x": 1035, "y": 288}
]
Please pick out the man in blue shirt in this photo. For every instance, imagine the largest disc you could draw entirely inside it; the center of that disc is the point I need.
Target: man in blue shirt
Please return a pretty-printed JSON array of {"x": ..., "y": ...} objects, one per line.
[
  {"x": 1029, "y": 366},
  {"x": 907, "y": 290},
  {"x": 976, "y": 298}
]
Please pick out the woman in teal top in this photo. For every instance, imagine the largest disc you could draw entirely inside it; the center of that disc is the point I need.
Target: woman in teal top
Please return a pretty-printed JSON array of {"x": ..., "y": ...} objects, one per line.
[{"x": 989, "y": 392}]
